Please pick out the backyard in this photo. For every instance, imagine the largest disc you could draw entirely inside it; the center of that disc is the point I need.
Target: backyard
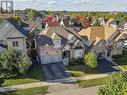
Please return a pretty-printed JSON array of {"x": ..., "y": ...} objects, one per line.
[
  {"x": 35, "y": 74},
  {"x": 121, "y": 60}
]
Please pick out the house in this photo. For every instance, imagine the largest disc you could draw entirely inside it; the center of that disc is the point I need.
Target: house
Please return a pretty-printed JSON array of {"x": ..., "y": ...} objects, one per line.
[
  {"x": 57, "y": 44},
  {"x": 106, "y": 41},
  {"x": 67, "y": 22},
  {"x": 50, "y": 21},
  {"x": 102, "y": 21},
  {"x": 12, "y": 35},
  {"x": 117, "y": 23}
]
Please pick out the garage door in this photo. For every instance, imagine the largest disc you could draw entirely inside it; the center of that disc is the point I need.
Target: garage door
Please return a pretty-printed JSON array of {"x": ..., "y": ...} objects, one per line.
[
  {"x": 51, "y": 59},
  {"x": 46, "y": 59},
  {"x": 57, "y": 58}
]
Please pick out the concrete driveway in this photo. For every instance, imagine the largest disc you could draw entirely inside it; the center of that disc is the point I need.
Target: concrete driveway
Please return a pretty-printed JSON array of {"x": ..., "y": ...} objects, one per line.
[{"x": 106, "y": 66}]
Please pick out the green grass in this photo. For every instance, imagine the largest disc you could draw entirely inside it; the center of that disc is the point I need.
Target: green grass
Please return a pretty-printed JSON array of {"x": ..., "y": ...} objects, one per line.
[
  {"x": 92, "y": 82},
  {"x": 35, "y": 74},
  {"x": 30, "y": 91},
  {"x": 81, "y": 70},
  {"x": 122, "y": 61}
]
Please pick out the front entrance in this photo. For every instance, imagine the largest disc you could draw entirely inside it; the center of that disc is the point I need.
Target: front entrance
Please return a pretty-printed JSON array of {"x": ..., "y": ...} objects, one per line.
[
  {"x": 101, "y": 55},
  {"x": 109, "y": 53},
  {"x": 66, "y": 57}
]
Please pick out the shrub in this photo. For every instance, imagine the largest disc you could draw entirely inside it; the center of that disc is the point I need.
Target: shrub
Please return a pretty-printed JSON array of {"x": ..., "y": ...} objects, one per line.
[
  {"x": 117, "y": 56},
  {"x": 77, "y": 61}
]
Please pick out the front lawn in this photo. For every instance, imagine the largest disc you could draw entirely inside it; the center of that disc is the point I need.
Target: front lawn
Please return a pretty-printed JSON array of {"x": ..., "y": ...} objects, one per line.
[
  {"x": 35, "y": 74},
  {"x": 122, "y": 60},
  {"x": 92, "y": 82},
  {"x": 30, "y": 91},
  {"x": 81, "y": 70}
]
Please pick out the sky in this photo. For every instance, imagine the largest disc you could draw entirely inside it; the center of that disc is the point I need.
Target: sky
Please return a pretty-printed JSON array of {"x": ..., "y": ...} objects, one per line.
[{"x": 73, "y": 5}]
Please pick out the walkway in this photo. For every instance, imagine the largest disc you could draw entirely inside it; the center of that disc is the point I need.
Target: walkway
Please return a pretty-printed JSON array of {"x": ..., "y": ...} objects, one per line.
[{"x": 56, "y": 82}]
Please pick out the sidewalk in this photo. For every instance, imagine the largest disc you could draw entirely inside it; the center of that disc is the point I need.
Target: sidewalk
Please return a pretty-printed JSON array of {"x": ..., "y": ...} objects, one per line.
[
  {"x": 79, "y": 91},
  {"x": 55, "y": 82}
]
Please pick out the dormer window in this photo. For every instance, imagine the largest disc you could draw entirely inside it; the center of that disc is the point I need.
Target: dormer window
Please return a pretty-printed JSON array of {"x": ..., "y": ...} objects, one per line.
[
  {"x": 71, "y": 38},
  {"x": 57, "y": 43}
]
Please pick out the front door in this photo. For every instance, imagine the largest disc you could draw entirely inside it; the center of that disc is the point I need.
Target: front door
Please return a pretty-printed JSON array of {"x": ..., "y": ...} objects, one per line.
[
  {"x": 101, "y": 55},
  {"x": 109, "y": 53},
  {"x": 66, "y": 57}
]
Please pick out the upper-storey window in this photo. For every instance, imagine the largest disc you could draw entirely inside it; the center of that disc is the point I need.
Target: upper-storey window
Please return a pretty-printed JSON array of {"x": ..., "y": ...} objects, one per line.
[
  {"x": 15, "y": 44},
  {"x": 57, "y": 43}
]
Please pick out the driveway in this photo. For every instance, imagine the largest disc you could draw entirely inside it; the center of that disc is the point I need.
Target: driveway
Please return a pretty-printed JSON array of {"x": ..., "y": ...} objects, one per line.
[
  {"x": 106, "y": 66},
  {"x": 54, "y": 71}
]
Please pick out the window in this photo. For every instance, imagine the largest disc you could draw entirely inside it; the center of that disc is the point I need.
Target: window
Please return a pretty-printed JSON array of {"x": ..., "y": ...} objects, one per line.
[
  {"x": 15, "y": 43},
  {"x": 57, "y": 43},
  {"x": 119, "y": 44},
  {"x": 78, "y": 53},
  {"x": 100, "y": 44}
]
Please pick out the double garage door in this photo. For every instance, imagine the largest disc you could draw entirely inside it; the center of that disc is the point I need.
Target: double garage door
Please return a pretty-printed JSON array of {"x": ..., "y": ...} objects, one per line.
[{"x": 51, "y": 58}]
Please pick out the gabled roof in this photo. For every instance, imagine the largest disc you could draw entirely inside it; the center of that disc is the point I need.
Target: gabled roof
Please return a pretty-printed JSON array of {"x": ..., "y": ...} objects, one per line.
[
  {"x": 2, "y": 20},
  {"x": 66, "y": 22},
  {"x": 17, "y": 26},
  {"x": 92, "y": 33},
  {"x": 51, "y": 21},
  {"x": 120, "y": 36},
  {"x": 47, "y": 36},
  {"x": 118, "y": 22}
]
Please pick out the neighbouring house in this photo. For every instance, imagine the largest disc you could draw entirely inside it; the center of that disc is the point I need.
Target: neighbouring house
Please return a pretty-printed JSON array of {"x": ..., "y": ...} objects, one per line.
[
  {"x": 12, "y": 35},
  {"x": 83, "y": 20},
  {"x": 57, "y": 44},
  {"x": 36, "y": 22},
  {"x": 67, "y": 22},
  {"x": 117, "y": 23},
  {"x": 102, "y": 21},
  {"x": 106, "y": 41},
  {"x": 50, "y": 21}
]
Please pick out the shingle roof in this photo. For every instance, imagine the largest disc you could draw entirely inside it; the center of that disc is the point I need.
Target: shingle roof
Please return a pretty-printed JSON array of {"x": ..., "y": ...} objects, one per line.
[
  {"x": 51, "y": 21},
  {"x": 34, "y": 24},
  {"x": 66, "y": 22},
  {"x": 17, "y": 26},
  {"x": 3, "y": 46},
  {"x": 2, "y": 20},
  {"x": 45, "y": 36},
  {"x": 103, "y": 32},
  {"x": 118, "y": 22}
]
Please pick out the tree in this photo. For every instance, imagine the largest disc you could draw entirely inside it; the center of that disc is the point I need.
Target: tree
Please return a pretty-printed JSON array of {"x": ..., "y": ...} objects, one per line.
[
  {"x": 12, "y": 63},
  {"x": 24, "y": 65},
  {"x": 8, "y": 59},
  {"x": 115, "y": 85},
  {"x": 18, "y": 19},
  {"x": 90, "y": 60},
  {"x": 96, "y": 23}
]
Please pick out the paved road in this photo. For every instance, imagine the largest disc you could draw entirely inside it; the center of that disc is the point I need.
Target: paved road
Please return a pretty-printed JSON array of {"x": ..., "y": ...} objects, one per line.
[
  {"x": 106, "y": 66},
  {"x": 80, "y": 91}
]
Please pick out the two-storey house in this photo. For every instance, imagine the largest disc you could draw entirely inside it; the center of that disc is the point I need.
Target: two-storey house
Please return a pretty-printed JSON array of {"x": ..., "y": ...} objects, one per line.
[{"x": 12, "y": 35}]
